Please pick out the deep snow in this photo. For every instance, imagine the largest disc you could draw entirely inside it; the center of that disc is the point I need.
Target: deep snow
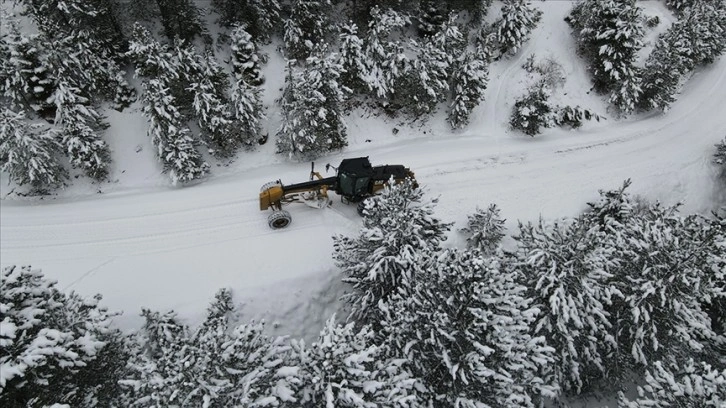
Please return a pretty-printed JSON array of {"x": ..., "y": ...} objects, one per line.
[{"x": 144, "y": 243}]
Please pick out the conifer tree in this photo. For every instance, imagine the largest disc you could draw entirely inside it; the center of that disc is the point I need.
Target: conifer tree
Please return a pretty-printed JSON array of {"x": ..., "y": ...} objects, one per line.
[
  {"x": 29, "y": 152},
  {"x": 309, "y": 24},
  {"x": 175, "y": 145},
  {"x": 259, "y": 17},
  {"x": 56, "y": 348},
  {"x": 484, "y": 229},
  {"x": 181, "y": 20},
  {"x": 70, "y": 18},
  {"x": 346, "y": 368},
  {"x": 469, "y": 81},
  {"x": 398, "y": 229},
  {"x": 312, "y": 109},
  {"x": 245, "y": 58},
  {"x": 352, "y": 59},
  {"x": 567, "y": 272},
  {"x": 694, "y": 384},
  {"x": 385, "y": 59},
  {"x": 25, "y": 74},
  {"x": 609, "y": 34},
  {"x": 518, "y": 20},
  {"x": 464, "y": 324},
  {"x": 80, "y": 125}
]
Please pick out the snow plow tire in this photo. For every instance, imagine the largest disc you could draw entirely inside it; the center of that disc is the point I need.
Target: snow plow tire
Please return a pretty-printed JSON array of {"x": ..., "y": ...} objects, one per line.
[{"x": 279, "y": 219}]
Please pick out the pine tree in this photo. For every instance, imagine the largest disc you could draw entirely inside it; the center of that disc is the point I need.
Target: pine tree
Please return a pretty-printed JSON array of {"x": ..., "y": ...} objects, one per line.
[
  {"x": 719, "y": 157},
  {"x": 259, "y": 17},
  {"x": 464, "y": 324},
  {"x": 80, "y": 125},
  {"x": 29, "y": 152},
  {"x": 248, "y": 111},
  {"x": 97, "y": 19},
  {"x": 627, "y": 95},
  {"x": 385, "y": 59},
  {"x": 518, "y": 20},
  {"x": 609, "y": 34},
  {"x": 663, "y": 261},
  {"x": 398, "y": 229},
  {"x": 245, "y": 59},
  {"x": 567, "y": 272},
  {"x": 485, "y": 229},
  {"x": 533, "y": 112},
  {"x": 56, "y": 348},
  {"x": 312, "y": 110},
  {"x": 25, "y": 74},
  {"x": 175, "y": 145},
  {"x": 691, "y": 385},
  {"x": 207, "y": 83},
  {"x": 212, "y": 366},
  {"x": 345, "y": 368},
  {"x": 308, "y": 25},
  {"x": 352, "y": 59},
  {"x": 469, "y": 82},
  {"x": 181, "y": 19}
]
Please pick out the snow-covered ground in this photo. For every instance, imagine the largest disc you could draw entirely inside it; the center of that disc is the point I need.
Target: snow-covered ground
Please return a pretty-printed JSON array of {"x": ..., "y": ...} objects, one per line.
[{"x": 143, "y": 243}]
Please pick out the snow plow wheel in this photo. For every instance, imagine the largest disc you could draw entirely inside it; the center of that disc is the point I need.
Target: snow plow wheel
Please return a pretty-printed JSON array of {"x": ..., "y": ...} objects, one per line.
[
  {"x": 279, "y": 219},
  {"x": 269, "y": 185}
]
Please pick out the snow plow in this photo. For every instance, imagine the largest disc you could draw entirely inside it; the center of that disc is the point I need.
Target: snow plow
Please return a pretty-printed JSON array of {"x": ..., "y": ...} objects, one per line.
[{"x": 355, "y": 180}]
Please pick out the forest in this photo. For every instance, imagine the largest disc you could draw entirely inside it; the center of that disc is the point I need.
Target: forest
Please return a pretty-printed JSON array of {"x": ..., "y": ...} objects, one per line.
[{"x": 624, "y": 302}]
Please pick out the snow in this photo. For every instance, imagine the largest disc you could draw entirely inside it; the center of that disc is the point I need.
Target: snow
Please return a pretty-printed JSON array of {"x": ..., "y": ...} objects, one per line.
[{"x": 144, "y": 243}]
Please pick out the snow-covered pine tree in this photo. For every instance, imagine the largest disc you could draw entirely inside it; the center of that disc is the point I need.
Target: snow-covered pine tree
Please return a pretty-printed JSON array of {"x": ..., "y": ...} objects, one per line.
[
  {"x": 533, "y": 111},
  {"x": 693, "y": 384},
  {"x": 663, "y": 270},
  {"x": 248, "y": 111},
  {"x": 56, "y": 348},
  {"x": 485, "y": 229},
  {"x": 469, "y": 81},
  {"x": 211, "y": 366},
  {"x": 312, "y": 109},
  {"x": 159, "y": 374},
  {"x": 245, "y": 58},
  {"x": 80, "y": 124},
  {"x": 627, "y": 94},
  {"x": 259, "y": 17},
  {"x": 345, "y": 368},
  {"x": 208, "y": 83},
  {"x": 708, "y": 22},
  {"x": 173, "y": 139},
  {"x": 398, "y": 229},
  {"x": 464, "y": 324},
  {"x": 431, "y": 15},
  {"x": 609, "y": 34},
  {"x": 352, "y": 59},
  {"x": 519, "y": 18},
  {"x": 566, "y": 270},
  {"x": 679, "y": 5},
  {"x": 29, "y": 151},
  {"x": 425, "y": 82},
  {"x": 307, "y": 26},
  {"x": 63, "y": 18},
  {"x": 25, "y": 74},
  {"x": 719, "y": 158},
  {"x": 182, "y": 20},
  {"x": 385, "y": 58}
]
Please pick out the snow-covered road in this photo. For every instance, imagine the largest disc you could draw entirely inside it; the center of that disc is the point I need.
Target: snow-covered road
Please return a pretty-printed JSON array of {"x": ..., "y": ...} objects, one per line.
[{"x": 173, "y": 248}]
